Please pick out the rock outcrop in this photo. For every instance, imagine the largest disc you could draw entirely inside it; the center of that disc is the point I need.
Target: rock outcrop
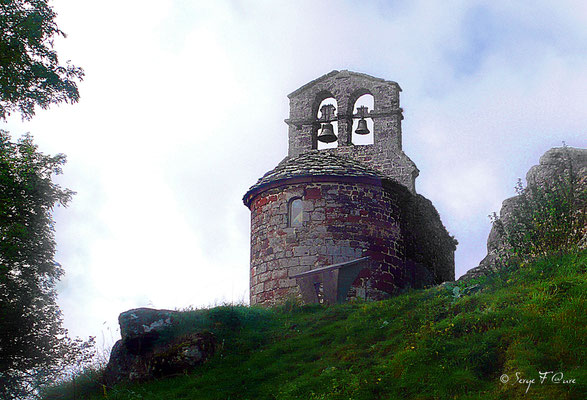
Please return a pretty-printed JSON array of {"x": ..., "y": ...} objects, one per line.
[
  {"x": 148, "y": 348},
  {"x": 556, "y": 164}
]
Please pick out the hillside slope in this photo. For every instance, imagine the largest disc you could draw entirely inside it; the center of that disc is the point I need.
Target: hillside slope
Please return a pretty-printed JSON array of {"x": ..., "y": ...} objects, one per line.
[{"x": 490, "y": 339}]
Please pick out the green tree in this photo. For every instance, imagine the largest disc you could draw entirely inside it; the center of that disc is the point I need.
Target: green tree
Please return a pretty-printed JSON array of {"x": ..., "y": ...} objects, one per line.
[
  {"x": 34, "y": 346},
  {"x": 30, "y": 73}
]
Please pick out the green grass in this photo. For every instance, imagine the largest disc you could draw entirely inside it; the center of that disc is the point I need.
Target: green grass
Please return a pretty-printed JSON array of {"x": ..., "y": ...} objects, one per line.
[{"x": 425, "y": 344}]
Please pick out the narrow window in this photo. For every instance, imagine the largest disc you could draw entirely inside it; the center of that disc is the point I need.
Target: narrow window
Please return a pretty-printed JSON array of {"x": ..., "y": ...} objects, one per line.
[{"x": 295, "y": 212}]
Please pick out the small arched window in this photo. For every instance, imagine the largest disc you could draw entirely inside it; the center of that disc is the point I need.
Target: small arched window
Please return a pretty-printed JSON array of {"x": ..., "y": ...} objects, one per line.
[{"x": 296, "y": 213}]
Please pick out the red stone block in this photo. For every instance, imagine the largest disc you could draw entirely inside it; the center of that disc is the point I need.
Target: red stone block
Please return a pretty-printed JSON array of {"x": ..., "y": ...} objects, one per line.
[{"x": 312, "y": 194}]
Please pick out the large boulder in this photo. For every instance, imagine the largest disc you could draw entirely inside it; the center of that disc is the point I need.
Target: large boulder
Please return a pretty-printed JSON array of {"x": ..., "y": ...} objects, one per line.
[
  {"x": 141, "y": 328},
  {"x": 148, "y": 348},
  {"x": 555, "y": 165}
]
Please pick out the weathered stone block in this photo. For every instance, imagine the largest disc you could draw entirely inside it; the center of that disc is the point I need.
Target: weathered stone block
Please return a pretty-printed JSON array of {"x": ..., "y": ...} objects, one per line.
[
  {"x": 309, "y": 260},
  {"x": 301, "y": 251},
  {"x": 317, "y": 216}
]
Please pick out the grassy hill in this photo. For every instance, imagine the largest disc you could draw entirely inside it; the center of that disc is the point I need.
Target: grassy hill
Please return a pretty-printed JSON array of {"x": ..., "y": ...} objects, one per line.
[{"x": 489, "y": 339}]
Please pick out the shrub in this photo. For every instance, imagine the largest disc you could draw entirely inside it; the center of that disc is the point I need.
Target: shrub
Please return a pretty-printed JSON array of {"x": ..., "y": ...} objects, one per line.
[
  {"x": 546, "y": 218},
  {"x": 78, "y": 386}
]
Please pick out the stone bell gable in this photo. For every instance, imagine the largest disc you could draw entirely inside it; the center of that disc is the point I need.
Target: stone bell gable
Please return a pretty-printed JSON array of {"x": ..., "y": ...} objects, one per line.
[
  {"x": 331, "y": 224},
  {"x": 385, "y": 154}
]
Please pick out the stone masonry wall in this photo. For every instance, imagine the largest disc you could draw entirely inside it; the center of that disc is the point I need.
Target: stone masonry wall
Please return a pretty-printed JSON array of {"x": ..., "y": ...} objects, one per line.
[
  {"x": 392, "y": 162},
  {"x": 341, "y": 220},
  {"x": 334, "y": 230},
  {"x": 427, "y": 242}
]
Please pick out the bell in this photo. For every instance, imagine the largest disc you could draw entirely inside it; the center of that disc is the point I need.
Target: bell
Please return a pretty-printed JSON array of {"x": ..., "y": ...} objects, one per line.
[
  {"x": 362, "y": 127},
  {"x": 327, "y": 135}
]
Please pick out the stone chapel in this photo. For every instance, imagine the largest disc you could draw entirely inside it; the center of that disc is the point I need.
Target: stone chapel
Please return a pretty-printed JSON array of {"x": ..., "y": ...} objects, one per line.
[{"x": 344, "y": 221}]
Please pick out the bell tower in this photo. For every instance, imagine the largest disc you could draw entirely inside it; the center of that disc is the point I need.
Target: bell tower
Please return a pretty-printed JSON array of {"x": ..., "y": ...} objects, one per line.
[{"x": 309, "y": 123}]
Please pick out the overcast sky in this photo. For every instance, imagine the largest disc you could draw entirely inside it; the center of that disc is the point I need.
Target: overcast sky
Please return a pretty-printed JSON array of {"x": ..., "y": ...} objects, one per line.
[{"x": 182, "y": 110}]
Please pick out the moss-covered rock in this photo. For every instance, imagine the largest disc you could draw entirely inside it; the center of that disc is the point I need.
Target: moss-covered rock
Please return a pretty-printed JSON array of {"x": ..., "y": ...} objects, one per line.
[
  {"x": 149, "y": 347},
  {"x": 182, "y": 354}
]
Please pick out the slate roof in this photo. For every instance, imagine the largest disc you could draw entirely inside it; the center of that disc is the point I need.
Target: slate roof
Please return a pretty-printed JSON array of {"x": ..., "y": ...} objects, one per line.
[{"x": 314, "y": 163}]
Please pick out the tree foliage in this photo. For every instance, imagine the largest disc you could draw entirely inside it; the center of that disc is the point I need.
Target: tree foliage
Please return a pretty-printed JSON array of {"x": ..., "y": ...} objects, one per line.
[
  {"x": 30, "y": 73},
  {"x": 33, "y": 343}
]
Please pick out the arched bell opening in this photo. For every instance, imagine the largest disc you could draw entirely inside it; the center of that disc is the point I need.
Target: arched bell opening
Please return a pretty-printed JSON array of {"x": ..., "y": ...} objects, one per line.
[
  {"x": 326, "y": 117},
  {"x": 362, "y": 132}
]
